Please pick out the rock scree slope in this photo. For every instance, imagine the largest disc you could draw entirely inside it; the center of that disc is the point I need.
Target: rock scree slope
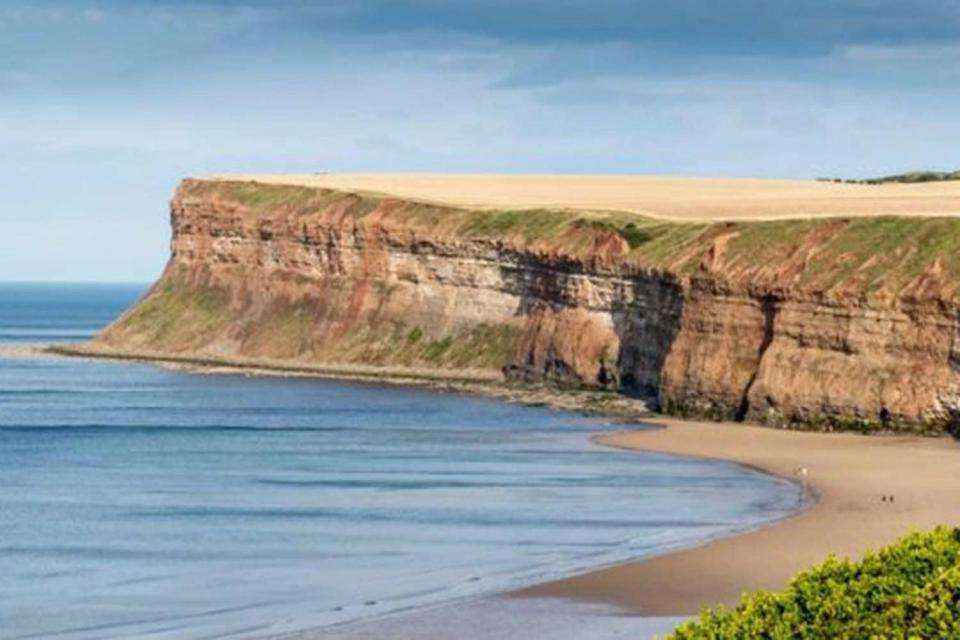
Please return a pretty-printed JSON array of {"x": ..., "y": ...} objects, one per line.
[{"x": 838, "y": 322}]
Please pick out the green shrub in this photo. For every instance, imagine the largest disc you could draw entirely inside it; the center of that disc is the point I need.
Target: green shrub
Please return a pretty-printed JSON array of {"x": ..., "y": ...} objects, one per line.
[{"x": 908, "y": 590}]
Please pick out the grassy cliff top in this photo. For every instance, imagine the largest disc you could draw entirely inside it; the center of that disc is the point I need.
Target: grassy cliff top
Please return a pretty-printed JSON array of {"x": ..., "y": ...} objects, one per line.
[
  {"x": 672, "y": 198},
  {"x": 880, "y": 256}
]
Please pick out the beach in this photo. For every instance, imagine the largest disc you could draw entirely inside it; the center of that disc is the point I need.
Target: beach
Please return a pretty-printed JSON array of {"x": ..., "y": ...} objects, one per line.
[
  {"x": 248, "y": 505},
  {"x": 848, "y": 475},
  {"x": 862, "y": 492}
]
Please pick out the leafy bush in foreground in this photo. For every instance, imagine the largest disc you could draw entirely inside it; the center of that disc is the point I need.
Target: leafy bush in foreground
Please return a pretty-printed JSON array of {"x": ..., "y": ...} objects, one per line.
[{"x": 908, "y": 590}]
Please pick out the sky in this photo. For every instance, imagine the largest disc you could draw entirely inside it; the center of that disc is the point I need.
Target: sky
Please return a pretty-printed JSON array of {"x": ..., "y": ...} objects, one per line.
[{"x": 105, "y": 105}]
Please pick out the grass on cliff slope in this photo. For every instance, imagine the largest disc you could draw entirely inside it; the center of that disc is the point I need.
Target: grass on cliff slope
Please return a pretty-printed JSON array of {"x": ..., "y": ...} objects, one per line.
[
  {"x": 908, "y": 590},
  {"x": 860, "y": 256},
  {"x": 176, "y": 316},
  {"x": 477, "y": 346},
  {"x": 282, "y": 331},
  {"x": 181, "y": 314}
]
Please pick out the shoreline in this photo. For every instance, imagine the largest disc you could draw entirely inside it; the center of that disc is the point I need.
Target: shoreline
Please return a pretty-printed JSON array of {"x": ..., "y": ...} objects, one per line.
[
  {"x": 848, "y": 475},
  {"x": 478, "y": 382},
  {"x": 842, "y": 511}
]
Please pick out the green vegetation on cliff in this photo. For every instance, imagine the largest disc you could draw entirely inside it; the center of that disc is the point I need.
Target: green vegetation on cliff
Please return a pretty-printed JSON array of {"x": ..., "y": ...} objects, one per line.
[
  {"x": 819, "y": 323},
  {"x": 183, "y": 314},
  {"x": 476, "y": 346},
  {"x": 908, "y": 590},
  {"x": 177, "y": 312},
  {"x": 881, "y": 256}
]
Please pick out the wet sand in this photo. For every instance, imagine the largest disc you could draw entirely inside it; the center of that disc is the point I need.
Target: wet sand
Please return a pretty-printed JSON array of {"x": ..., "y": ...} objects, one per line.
[
  {"x": 499, "y": 618},
  {"x": 847, "y": 474}
]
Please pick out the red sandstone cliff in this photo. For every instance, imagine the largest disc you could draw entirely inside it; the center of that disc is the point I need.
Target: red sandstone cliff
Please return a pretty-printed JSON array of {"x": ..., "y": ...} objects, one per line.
[{"x": 839, "y": 322}]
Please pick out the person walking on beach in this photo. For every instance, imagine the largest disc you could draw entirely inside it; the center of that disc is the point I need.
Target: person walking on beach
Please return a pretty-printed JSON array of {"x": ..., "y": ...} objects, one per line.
[{"x": 801, "y": 472}]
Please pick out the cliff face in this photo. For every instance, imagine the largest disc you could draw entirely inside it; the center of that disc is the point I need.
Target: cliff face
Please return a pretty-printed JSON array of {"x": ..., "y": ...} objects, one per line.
[{"x": 852, "y": 323}]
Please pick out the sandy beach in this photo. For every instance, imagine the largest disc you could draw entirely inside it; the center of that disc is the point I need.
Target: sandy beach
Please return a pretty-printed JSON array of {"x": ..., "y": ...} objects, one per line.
[
  {"x": 847, "y": 479},
  {"x": 848, "y": 476}
]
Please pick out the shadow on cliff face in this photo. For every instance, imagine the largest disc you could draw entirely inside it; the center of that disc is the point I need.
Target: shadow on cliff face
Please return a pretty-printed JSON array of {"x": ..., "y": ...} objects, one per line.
[
  {"x": 647, "y": 320},
  {"x": 768, "y": 307},
  {"x": 610, "y": 331},
  {"x": 562, "y": 341}
]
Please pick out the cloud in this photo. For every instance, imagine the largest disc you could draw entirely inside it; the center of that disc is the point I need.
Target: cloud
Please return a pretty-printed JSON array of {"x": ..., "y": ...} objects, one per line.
[
  {"x": 901, "y": 54},
  {"x": 115, "y": 101},
  {"x": 775, "y": 27},
  {"x": 93, "y": 14},
  {"x": 11, "y": 79}
]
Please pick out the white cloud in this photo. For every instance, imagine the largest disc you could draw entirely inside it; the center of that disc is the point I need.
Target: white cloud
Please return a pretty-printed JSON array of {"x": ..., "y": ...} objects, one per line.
[
  {"x": 116, "y": 106},
  {"x": 93, "y": 14},
  {"x": 906, "y": 54}
]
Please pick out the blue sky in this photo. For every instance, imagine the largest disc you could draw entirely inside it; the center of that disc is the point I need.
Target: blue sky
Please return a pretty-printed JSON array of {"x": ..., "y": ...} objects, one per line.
[{"x": 105, "y": 105}]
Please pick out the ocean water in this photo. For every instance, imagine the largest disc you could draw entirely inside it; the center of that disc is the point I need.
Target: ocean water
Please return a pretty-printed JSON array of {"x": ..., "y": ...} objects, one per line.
[{"x": 142, "y": 502}]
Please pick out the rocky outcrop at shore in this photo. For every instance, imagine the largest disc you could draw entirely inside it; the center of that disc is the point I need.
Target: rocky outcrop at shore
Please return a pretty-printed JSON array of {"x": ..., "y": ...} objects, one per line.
[{"x": 830, "y": 323}]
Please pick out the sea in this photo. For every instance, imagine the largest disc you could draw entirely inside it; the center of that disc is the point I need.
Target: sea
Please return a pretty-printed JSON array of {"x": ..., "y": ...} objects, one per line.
[{"x": 138, "y": 501}]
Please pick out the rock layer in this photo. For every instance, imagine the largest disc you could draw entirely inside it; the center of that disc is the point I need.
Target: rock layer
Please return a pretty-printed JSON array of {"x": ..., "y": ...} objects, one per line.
[{"x": 843, "y": 323}]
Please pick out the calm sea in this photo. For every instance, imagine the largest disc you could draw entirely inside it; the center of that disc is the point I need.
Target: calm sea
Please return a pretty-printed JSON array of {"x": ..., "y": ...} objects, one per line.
[{"x": 140, "y": 502}]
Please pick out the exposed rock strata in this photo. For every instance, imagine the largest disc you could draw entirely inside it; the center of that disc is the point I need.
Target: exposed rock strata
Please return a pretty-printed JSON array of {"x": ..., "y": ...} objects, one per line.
[{"x": 798, "y": 323}]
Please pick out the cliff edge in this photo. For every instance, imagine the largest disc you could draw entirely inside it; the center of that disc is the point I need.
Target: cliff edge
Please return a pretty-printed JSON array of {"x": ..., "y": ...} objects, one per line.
[{"x": 827, "y": 322}]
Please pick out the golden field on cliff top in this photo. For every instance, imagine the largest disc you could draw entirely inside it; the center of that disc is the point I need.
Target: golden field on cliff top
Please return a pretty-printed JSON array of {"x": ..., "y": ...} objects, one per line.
[{"x": 662, "y": 197}]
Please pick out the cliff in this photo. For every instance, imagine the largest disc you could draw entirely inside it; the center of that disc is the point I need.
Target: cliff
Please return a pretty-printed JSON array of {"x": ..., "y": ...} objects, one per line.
[{"x": 844, "y": 322}]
